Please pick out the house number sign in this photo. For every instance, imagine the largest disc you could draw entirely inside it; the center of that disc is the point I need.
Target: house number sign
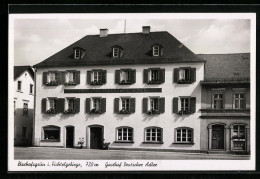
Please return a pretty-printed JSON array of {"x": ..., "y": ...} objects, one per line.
[{"x": 127, "y": 90}]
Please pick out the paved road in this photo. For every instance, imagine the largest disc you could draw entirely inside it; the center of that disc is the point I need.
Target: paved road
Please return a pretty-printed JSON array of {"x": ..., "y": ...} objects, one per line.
[{"x": 90, "y": 154}]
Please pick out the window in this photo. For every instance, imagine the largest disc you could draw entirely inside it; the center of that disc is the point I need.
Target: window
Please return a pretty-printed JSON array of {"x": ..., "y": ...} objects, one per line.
[
  {"x": 125, "y": 104},
  {"x": 217, "y": 101},
  {"x": 238, "y": 132},
  {"x": 184, "y": 75},
  {"x": 71, "y": 77},
  {"x": 153, "y": 134},
  {"x": 154, "y": 76},
  {"x": 125, "y": 76},
  {"x": 71, "y": 105},
  {"x": 185, "y": 104},
  {"x": 24, "y": 132},
  {"x": 31, "y": 88},
  {"x": 125, "y": 134},
  {"x": 184, "y": 135},
  {"x": 116, "y": 52},
  {"x": 154, "y": 104},
  {"x": 19, "y": 86},
  {"x": 51, "y": 133},
  {"x": 96, "y": 77},
  {"x": 96, "y": 105},
  {"x": 77, "y": 54},
  {"x": 51, "y": 108},
  {"x": 52, "y": 77},
  {"x": 156, "y": 51},
  {"x": 239, "y": 100},
  {"x": 25, "y": 108}
]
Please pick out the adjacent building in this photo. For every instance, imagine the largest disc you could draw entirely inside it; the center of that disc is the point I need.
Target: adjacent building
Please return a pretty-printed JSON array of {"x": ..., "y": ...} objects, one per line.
[
  {"x": 136, "y": 90},
  {"x": 23, "y": 105}
]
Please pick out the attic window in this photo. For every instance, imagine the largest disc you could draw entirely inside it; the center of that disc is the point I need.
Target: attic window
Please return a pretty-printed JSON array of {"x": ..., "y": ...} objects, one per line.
[
  {"x": 116, "y": 52},
  {"x": 77, "y": 54},
  {"x": 157, "y": 50}
]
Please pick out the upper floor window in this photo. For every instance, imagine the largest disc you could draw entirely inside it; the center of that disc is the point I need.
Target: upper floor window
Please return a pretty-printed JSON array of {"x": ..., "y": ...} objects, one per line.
[
  {"x": 96, "y": 105},
  {"x": 125, "y": 134},
  {"x": 239, "y": 100},
  {"x": 184, "y": 75},
  {"x": 153, "y": 134},
  {"x": 184, "y": 105},
  {"x": 125, "y": 76},
  {"x": 72, "y": 105},
  {"x": 71, "y": 78},
  {"x": 19, "y": 86},
  {"x": 124, "y": 105},
  {"x": 96, "y": 77},
  {"x": 51, "y": 105},
  {"x": 78, "y": 53},
  {"x": 157, "y": 50},
  {"x": 154, "y": 76},
  {"x": 25, "y": 108},
  {"x": 31, "y": 88},
  {"x": 217, "y": 101},
  {"x": 184, "y": 135},
  {"x": 50, "y": 78},
  {"x": 153, "y": 105}
]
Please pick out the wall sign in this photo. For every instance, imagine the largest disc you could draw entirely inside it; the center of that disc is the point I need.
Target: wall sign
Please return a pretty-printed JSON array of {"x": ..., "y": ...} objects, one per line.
[{"x": 127, "y": 90}]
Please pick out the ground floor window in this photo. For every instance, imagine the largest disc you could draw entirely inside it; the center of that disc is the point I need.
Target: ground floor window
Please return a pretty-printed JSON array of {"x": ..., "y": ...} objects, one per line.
[
  {"x": 153, "y": 134},
  {"x": 239, "y": 132},
  {"x": 125, "y": 134},
  {"x": 184, "y": 135},
  {"x": 51, "y": 133}
]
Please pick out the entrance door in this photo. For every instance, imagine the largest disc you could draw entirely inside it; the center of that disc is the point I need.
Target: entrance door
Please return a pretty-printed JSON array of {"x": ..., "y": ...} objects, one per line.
[
  {"x": 69, "y": 137},
  {"x": 96, "y": 138},
  {"x": 217, "y": 137}
]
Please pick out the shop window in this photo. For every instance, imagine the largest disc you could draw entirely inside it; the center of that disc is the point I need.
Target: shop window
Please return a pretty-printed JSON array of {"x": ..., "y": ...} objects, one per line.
[{"x": 51, "y": 133}]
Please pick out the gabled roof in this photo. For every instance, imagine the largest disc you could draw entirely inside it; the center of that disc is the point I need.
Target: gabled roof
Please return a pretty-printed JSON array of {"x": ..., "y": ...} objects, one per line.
[
  {"x": 219, "y": 66},
  {"x": 137, "y": 50},
  {"x": 18, "y": 70}
]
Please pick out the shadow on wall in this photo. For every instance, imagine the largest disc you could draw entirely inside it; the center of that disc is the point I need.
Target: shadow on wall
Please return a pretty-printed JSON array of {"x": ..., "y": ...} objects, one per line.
[
  {"x": 92, "y": 116},
  {"x": 150, "y": 145},
  {"x": 121, "y": 116},
  {"x": 114, "y": 144},
  {"x": 148, "y": 118}
]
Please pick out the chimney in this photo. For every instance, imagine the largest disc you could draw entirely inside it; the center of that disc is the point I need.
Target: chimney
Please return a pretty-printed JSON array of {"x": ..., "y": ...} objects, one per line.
[
  {"x": 103, "y": 32},
  {"x": 146, "y": 29}
]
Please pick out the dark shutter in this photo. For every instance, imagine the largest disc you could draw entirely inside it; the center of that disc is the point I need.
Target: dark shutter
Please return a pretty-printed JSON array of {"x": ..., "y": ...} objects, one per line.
[
  {"x": 175, "y": 105},
  {"x": 44, "y": 77},
  {"x": 89, "y": 77},
  {"x": 77, "y": 73},
  {"x": 104, "y": 76},
  {"x": 244, "y": 101},
  {"x": 132, "y": 105},
  {"x": 162, "y": 75},
  {"x": 43, "y": 105},
  {"x": 103, "y": 105},
  {"x": 193, "y": 104},
  {"x": 59, "y": 77},
  {"x": 193, "y": 75},
  {"x": 145, "y": 105},
  {"x": 63, "y": 76},
  {"x": 161, "y": 105},
  {"x": 146, "y": 75},
  {"x": 116, "y": 105},
  {"x": 88, "y": 105},
  {"x": 117, "y": 76},
  {"x": 77, "y": 105},
  {"x": 60, "y": 105},
  {"x": 133, "y": 76},
  {"x": 176, "y": 75}
]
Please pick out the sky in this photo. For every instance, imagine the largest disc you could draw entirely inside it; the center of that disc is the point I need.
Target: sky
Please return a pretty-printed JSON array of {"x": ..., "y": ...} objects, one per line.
[{"x": 37, "y": 39}]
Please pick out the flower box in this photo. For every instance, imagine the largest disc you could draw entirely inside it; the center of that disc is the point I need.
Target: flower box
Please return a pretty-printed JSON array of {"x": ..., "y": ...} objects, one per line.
[
  {"x": 52, "y": 83},
  {"x": 182, "y": 81},
  {"x": 154, "y": 82},
  {"x": 152, "y": 112},
  {"x": 94, "y": 111},
  {"x": 123, "y": 82},
  {"x": 181, "y": 112},
  {"x": 70, "y": 83},
  {"x": 96, "y": 83},
  {"x": 51, "y": 111},
  {"x": 69, "y": 111},
  {"x": 124, "y": 112}
]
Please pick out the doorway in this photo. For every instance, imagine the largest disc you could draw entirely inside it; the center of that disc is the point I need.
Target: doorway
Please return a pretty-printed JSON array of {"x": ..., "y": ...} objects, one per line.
[
  {"x": 69, "y": 137},
  {"x": 218, "y": 137},
  {"x": 96, "y": 137}
]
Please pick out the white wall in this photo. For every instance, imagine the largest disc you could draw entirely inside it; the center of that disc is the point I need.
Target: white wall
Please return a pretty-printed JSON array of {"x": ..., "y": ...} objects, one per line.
[{"x": 138, "y": 120}]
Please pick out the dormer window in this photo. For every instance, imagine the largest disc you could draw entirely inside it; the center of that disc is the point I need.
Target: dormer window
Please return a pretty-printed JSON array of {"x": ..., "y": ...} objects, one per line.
[
  {"x": 157, "y": 50},
  {"x": 117, "y": 51},
  {"x": 78, "y": 53}
]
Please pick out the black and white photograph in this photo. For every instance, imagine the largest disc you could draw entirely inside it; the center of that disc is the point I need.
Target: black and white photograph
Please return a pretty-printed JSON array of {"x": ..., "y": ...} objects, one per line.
[{"x": 132, "y": 92}]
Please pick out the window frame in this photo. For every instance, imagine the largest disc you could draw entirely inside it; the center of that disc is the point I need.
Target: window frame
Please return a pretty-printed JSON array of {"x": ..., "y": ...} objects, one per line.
[
  {"x": 217, "y": 100},
  {"x": 116, "y": 50},
  {"x": 48, "y": 106},
  {"x": 68, "y": 73},
  {"x": 55, "y": 77},
  {"x": 239, "y": 100},
  {"x": 31, "y": 89},
  {"x": 98, "y": 74},
  {"x": 156, "y": 135},
  {"x": 238, "y": 130},
  {"x": 93, "y": 101},
  {"x": 19, "y": 85},
  {"x": 77, "y": 54},
  {"x": 151, "y": 100},
  {"x": 127, "y": 76},
  {"x": 25, "y": 108},
  {"x": 156, "y": 50},
  {"x": 182, "y": 72},
  {"x": 187, "y": 129},
  {"x": 51, "y": 140},
  {"x": 122, "y": 134}
]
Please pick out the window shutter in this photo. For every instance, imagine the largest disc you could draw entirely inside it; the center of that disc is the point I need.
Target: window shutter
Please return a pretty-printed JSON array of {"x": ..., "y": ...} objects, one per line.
[
  {"x": 77, "y": 105},
  {"x": 175, "y": 105},
  {"x": 44, "y": 77},
  {"x": 59, "y": 77},
  {"x": 244, "y": 101},
  {"x": 104, "y": 76},
  {"x": 117, "y": 76},
  {"x": 161, "y": 105},
  {"x": 43, "y": 105},
  {"x": 132, "y": 105},
  {"x": 60, "y": 105},
  {"x": 88, "y": 105},
  {"x": 63, "y": 76},
  {"x": 162, "y": 75},
  {"x": 133, "y": 76},
  {"x": 193, "y": 104},
  {"x": 89, "y": 77},
  {"x": 193, "y": 75},
  {"x": 77, "y": 77},
  {"x": 116, "y": 105},
  {"x": 146, "y": 75},
  {"x": 176, "y": 75},
  {"x": 103, "y": 105},
  {"x": 145, "y": 105}
]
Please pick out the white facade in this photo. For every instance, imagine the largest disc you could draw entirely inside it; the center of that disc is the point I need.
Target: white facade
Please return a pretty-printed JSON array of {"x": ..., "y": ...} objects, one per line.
[
  {"x": 81, "y": 121},
  {"x": 23, "y": 121}
]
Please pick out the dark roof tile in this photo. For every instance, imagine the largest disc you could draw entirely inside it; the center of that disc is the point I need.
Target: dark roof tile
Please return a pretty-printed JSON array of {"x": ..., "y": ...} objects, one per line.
[{"x": 18, "y": 70}]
